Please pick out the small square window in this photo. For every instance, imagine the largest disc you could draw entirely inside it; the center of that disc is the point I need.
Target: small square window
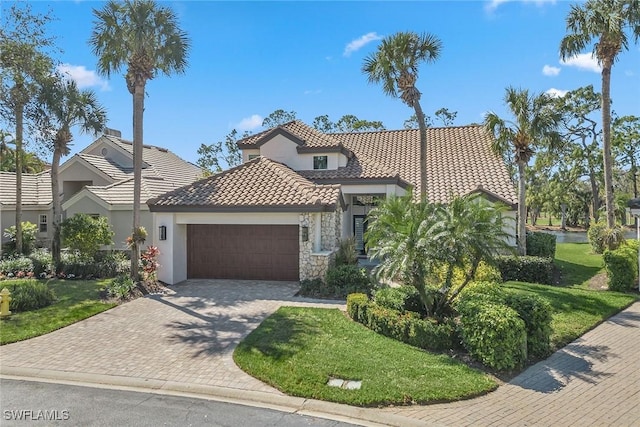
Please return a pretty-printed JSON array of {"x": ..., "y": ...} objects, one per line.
[
  {"x": 319, "y": 162},
  {"x": 43, "y": 223},
  {"x": 253, "y": 156}
]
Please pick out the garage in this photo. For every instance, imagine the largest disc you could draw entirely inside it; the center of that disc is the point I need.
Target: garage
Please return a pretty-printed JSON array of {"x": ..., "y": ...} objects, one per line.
[{"x": 244, "y": 252}]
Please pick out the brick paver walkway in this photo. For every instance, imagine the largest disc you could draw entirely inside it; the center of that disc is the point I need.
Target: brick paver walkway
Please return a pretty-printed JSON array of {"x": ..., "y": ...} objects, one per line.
[{"x": 189, "y": 338}]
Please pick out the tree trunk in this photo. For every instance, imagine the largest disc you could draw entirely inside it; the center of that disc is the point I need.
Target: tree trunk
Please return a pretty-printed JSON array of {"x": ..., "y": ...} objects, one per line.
[
  {"x": 138, "y": 111},
  {"x": 563, "y": 208},
  {"x": 606, "y": 137},
  {"x": 19, "y": 131},
  {"x": 595, "y": 196},
  {"x": 522, "y": 210},
  {"x": 423, "y": 150},
  {"x": 57, "y": 209}
]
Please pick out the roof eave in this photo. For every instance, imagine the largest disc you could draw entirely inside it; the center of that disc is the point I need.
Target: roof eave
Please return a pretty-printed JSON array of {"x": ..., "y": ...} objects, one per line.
[{"x": 231, "y": 209}]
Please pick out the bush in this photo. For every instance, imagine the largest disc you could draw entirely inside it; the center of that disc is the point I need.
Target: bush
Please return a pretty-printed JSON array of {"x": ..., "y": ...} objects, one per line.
[
  {"x": 541, "y": 244},
  {"x": 406, "y": 327},
  {"x": 16, "y": 267},
  {"x": 526, "y": 269},
  {"x": 112, "y": 263},
  {"x": 485, "y": 291},
  {"x": 346, "y": 253},
  {"x": 42, "y": 261},
  {"x": 30, "y": 295},
  {"x": 29, "y": 231},
  {"x": 493, "y": 334},
  {"x": 121, "y": 287},
  {"x": 403, "y": 298},
  {"x": 622, "y": 267},
  {"x": 602, "y": 238},
  {"x": 348, "y": 279},
  {"x": 536, "y": 314},
  {"x": 85, "y": 234}
]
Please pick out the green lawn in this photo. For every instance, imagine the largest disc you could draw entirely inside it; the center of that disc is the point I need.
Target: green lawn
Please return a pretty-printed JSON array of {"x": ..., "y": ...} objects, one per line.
[
  {"x": 577, "y": 263},
  {"x": 297, "y": 350},
  {"x": 76, "y": 300}
]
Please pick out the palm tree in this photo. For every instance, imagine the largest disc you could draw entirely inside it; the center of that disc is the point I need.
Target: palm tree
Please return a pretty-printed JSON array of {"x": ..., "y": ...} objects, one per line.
[
  {"x": 607, "y": 22},
  {"x": 395, "y": 65},
  {"x": 64, "y": 106},
  {"x": 146, "y": 39},
  {"x": 535, "y": 122}
]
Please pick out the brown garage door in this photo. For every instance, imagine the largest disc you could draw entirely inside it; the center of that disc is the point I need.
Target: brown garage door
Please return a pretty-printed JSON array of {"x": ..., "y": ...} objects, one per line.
[{"x": 264, "y": 252}]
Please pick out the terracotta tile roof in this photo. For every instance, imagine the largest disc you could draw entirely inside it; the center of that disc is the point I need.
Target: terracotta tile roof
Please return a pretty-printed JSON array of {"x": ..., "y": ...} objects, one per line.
[
  {"x": 36, "y": 189},
  {"x": 308, "y": 136},
  {"x": 260, "y": 184}
]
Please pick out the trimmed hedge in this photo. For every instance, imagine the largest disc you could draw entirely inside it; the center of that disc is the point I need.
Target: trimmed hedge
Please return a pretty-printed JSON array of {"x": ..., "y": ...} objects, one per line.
[
  {"x": 494, "y": 334},
  {"x": 346, "y": 279},
  {"x": 30, "y": 295},
  {"x": 541, "y": 244},
  {"x": 403, "y": 299},
  {"x": 622, "y": 266},
  {"x": 530, "y": 269},
  {"x": 406, "y": 327}
]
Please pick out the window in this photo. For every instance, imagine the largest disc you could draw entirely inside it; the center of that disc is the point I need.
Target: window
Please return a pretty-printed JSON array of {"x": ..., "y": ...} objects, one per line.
[
  {"x": 319, "y": 162},
  {"x": 253, "y": 156},
  {"x": 43, "y": 223}
]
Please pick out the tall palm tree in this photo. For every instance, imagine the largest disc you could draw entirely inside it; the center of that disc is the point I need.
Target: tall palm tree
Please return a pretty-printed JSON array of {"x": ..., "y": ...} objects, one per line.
[
  {"x": 146, "y": 39},
  {"x": 395, "y": 65},
  {"x": 607, "y": 22},
  {"x": 64, "y": 106},
  {"x": 534, "y": 123}
]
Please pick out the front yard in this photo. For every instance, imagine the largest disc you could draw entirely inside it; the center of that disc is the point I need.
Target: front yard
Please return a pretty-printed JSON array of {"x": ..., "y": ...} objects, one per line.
[{"x": 76, "y": 300}]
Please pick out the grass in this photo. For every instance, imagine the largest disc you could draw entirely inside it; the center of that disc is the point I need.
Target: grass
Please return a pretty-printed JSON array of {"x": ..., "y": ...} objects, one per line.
[
  {"x": 577, "y": 263},
  {"x": 575, "y": 310},
  {"x": 297, "y": 350},
  {"x": 76, "y": 300}
]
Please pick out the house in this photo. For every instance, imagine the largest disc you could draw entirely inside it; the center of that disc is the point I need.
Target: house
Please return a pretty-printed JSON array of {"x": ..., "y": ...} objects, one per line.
[
  {"x": 99, "y": 181},
  {"x": 282, "y": 213}
]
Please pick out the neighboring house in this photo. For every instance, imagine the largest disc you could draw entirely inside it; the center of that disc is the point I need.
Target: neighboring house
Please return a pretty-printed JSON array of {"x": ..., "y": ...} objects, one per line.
[
  {"x": 282, "y": 213},
  {"x": 36, "y": 203},
  {"x": 99, "y": 181}
]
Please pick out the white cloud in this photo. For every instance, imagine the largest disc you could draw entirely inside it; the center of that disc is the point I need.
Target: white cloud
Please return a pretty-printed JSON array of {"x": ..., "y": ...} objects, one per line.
[
  {"x": 556, "y": 93},
  {"x": 312, "y": 92},
  {"x": 84, "y": 78},
  {"x": 249, "y": 123},
  {"x": 549, "y": 70},
  {"x": 358, "y": 43},
  {"x": 628, "y": 73},
  {"x": 492, "y": 5},
  {"x": 583, "y": 61}
]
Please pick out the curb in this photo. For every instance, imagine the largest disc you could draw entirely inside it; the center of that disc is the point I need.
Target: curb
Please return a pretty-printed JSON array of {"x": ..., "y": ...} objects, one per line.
[{"x": 289, "y": 404}]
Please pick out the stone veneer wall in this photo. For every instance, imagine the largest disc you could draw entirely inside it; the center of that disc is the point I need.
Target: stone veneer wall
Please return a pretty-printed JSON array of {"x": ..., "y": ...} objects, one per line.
[{"x": 315, "y": 264}]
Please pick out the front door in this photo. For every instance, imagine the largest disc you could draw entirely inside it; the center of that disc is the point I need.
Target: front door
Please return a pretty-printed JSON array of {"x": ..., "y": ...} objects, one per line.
[{"x": 359, "y": 228}]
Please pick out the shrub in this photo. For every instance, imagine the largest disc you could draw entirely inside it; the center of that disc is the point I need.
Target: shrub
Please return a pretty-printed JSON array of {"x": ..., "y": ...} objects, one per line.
[
  {"x": 314, "y": 288},
  {"x": 493, "y": 334},
  {"x": 42, "y": 261},
  {"x": 14, "y": 266},
  {"x": 149, "y": 263},
  {"x": 541, "y": 244},
  {"x": 346, "y": 253},
  {"x": 526, "y": 269},
  {"x": 347, "y": 279},
  {"x": 29, "y": 231},
  {"x": 121, "y": 287},
  {"x": 406, "y": 327},
  {"x": 403, "y": 298},
  {"x": 486, "y": 291},
  {"x": 112, "y": 263},
  {"x": 622, "y": 267},
  {"x": 602, "y": 237},
  {"x": 536, "y": 314},
  {"x": 30, "y": 295},
  {"x": 85, "y": 234}
]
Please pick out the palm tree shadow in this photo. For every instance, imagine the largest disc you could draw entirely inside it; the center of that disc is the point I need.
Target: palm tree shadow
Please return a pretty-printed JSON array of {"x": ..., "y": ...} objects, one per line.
[{"x": 575, "y": 361}]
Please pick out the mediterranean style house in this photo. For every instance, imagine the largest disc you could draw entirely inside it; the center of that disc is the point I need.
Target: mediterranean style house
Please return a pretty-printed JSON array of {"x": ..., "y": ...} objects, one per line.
[
  {"x": 282, "y": 214},
  {"x": 97, "y": 181}
]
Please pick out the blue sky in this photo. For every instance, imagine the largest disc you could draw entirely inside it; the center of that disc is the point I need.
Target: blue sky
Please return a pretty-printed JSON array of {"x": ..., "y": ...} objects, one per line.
[{"x": 251, "y": 58}]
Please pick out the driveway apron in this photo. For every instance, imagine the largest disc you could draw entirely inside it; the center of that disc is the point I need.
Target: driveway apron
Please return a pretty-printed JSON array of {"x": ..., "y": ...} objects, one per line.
[{"x": 188, "y": 337}]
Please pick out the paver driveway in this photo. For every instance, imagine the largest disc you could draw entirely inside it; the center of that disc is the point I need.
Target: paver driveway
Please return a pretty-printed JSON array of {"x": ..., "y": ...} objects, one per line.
[{"x": 188, "y": 337}]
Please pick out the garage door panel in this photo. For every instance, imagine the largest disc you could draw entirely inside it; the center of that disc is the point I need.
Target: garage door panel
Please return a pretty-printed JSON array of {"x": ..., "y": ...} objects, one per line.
[{"x": 256, "y": 252}]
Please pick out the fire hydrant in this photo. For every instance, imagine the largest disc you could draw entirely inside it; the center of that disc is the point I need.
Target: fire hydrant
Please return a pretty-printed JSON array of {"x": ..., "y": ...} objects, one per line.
[{"x": 5, "y": 298}]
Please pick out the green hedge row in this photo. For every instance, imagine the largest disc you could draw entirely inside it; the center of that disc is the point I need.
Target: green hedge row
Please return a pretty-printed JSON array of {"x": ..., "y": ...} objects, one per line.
[
  {"x": 407, "y": 327},
  {"x": 530, "y": 269},
  {"x": 541, "y": 244},
  {"x": 622, "y": 266}
]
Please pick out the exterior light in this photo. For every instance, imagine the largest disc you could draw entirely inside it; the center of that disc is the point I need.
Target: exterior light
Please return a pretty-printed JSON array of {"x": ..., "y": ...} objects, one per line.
[{"x": 163, "y": 232}]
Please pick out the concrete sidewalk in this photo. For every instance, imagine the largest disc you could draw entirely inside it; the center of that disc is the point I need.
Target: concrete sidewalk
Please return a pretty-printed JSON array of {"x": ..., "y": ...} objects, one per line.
[{"x": 182, "y": 344}]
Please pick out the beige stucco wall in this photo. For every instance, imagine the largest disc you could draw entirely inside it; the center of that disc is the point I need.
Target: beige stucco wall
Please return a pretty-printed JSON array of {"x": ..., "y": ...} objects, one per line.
[
  {"x": 115, "y": 154},
  {"x": 173, "y": 251},
  {"x": 8, "y": 219},
  {"x": 283, "y": 150}
]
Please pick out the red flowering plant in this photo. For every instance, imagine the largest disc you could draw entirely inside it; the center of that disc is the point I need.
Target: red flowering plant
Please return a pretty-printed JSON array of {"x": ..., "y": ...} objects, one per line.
[{"x": 150, "y": 263}]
